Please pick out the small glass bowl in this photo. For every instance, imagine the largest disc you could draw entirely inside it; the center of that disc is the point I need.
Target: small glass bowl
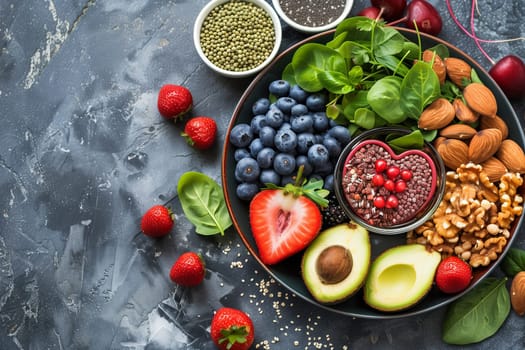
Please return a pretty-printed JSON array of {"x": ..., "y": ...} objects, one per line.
[
  {"x": 237, "y": 74},
  {"x": 426, "y": 211},
  {"x": 309, "y": 29}
]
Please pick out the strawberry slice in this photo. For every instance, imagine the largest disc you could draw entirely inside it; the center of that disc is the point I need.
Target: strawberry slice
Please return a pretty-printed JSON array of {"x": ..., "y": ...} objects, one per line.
[{"x": 285, "y": 220}]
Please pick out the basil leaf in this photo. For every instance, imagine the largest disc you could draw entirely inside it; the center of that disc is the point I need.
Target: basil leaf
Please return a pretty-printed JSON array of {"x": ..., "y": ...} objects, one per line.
[
  {"x": 203, "y": 203},
  {"x": 478, "y": 314},
  {"x": 513, "y": 262}
]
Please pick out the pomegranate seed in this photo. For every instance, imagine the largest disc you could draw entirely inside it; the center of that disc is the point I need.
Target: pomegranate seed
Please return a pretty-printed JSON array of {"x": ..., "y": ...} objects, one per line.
[
  {"x": 401, "y": 185},
  {"x": 390, "y": 185},
  {"x": 378, "y": 180},
  {"x": 379, "y": 202},
  {"x": 406, "y": 174},
  {"x": 392, "y": 202},
  {"x": 392, "y": 172},
  {"x": 381, "y": 165}
]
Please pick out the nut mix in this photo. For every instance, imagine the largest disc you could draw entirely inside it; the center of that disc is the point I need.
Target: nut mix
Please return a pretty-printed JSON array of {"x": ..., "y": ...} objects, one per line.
[{"x": 482, "y": 197}]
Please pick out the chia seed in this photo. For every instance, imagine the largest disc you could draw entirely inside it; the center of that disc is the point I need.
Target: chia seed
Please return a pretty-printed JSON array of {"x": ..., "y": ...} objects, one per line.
[
  {"x": 313, "y": 13},
  {"x": 360, "y": 192}
]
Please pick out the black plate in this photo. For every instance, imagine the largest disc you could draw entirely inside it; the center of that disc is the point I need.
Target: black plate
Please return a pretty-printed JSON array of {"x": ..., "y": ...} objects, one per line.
[{"x": 288, "y": 272}]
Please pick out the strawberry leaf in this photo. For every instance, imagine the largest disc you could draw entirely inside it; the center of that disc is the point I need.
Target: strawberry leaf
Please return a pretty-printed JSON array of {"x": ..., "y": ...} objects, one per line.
[{"x": 234, "y": 335}]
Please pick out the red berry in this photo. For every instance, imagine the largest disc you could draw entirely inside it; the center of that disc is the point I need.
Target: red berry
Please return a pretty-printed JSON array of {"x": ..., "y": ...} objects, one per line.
[
  {"x": 157, "y": 221},
  {"x": 401, "y": 185},
  {"x": 392, "y": 202},
  {"x": 200, "y": 132},
  {"x": 380, "y": 165},
  {"x": 232, "y": 329},
  {"x": 453, "y": 275},
  {"x": 392, "y": 172},
  {"x": 378, "y": 180},
  {"x": 406, "y": 174},
  {"x": 188, "y": 270},
  {"x": 174, "y": 101},
  {"x": 379, "y": 202},
  {"x": 390, "y": 185}
]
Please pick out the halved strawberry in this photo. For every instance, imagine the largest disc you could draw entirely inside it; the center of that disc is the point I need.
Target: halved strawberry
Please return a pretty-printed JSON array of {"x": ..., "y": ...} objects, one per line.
[{"x": 284, "y": 220}]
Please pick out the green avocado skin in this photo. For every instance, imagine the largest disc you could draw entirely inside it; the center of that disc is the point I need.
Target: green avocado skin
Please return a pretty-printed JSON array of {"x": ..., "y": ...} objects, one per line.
[{"x": 356, "y": 240}]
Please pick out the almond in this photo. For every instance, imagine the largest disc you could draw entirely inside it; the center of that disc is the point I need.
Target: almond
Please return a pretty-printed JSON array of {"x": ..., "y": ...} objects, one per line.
[
  {"x": 511, "y": 154},
  {"x": 438, "y": 140},
  {"x": 517, "y": 293},
  {"x": 437, "y": 115},
  {"x": 453, "y": 152},
  {"x": 458, "y": 131},
  {"x": 458, "y": 71},
  {"x": 480, "y": 99},
  {"x": 484, "y": 145},
  {"x": 494, "y": 169},
  {"x": 463, "y": 112},
  {"x": 437, "y": 64},
  {"x": 494, "y": 122}
]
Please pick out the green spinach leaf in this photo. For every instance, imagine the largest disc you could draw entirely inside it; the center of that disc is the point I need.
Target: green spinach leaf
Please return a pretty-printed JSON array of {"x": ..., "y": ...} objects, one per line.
[
  {"x": 384, "y": 99},
  {"x": 420, "y": 87},
  {"x": 513, "y": 262},
  {"x": 387, "y": 41},
  {"x": 478, "y": 314},
  {"x": 203, "y": 203}
]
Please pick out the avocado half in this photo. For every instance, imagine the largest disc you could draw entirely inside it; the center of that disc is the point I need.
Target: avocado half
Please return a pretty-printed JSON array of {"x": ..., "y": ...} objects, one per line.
[
  {"x": 400, "y": 277},
  {"x": 335, "y": 264}
]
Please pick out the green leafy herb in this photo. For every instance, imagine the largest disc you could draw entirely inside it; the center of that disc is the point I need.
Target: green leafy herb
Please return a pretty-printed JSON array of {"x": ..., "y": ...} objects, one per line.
[
  {"x": 203, "y": 203},
  {"x": 513, "y": 262},
  {"x": 420, "y": 88},
  {"x": 478, "y": 314}
]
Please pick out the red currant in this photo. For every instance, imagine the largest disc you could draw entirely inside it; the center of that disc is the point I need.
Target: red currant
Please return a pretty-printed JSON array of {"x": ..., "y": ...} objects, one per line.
[
  {"x": 401, "y": 185},
  {"x": 378, "y": 180},
  {"x": 392, "y": 202},
  {"x": 390, "y": 185},
  {"x": 392, "y": 172},
  {"x": 406, "y": 174},
  {"x": 381, "y": 165},
  {"x": 379, "y": 202}
]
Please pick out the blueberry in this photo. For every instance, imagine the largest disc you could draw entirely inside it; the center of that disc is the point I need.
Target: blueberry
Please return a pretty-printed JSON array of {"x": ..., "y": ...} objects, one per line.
[
  {"x": 285, "y": 104},
  {"x": 305, "y": 140},
  {"x": 319, "y": 138},
  {"x": 321, "y": 121},
  {"x": 288, "y": 179},
  {"x": 303, "y": 160},
  {"x": 260, "y": 106},
  {"x": 332, "y": 145},
  {"x": 329, "y": 182},
  {"x": 316, "y": 102},
  {"x": 255, "y": 146},
  {"x": 324, "y": 169},
  {"x": 257, "y": 123},
  {"x": 279, "y": 88},
  {"x": 269, "y": 176},
  {"x": 302, "y": 123},
  {"x": 285, "y": 125},
  {"x": 283, "y": 163},
  {"x": 265, "y": 157},
  {"x": 285, "y": 140},
  {"x": 247, "y": 170},
  {"x": 298, "y": 109},
  {"x": 267, "y": 134},
  {"x": 274, "y": 118},
  {"x": 246, "y": 190},
  {"x": 298, "y": 94},
  {"x": 241, "y": 135},
  {"x": 340, "y": 133},
  {"x": 241, "y": 153},
  {"x": 318, "y": 155}
]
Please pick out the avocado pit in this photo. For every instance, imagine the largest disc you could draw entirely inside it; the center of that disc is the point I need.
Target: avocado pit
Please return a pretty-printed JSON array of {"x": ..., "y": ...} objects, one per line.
[{"x": 334, "y": 264}]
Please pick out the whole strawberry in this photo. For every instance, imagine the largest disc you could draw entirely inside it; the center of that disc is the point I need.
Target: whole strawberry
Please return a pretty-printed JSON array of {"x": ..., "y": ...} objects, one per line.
[
  {"x": 174, "y": 101},
  {"x": 188, "y": 270},
  {"x": 157, "y": 221},
  {"x": 453, "y": 275},
  {"x": 200, "y": 132},
  {"x": 232, "y": 329}
]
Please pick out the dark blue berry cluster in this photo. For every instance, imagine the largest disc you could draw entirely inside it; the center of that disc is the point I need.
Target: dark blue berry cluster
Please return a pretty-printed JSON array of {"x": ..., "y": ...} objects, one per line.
[{"x": 283, "y": 135}]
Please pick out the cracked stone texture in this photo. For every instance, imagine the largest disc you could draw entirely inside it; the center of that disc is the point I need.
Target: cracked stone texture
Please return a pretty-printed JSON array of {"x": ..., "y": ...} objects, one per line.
[{"x": 83, "y": 153}]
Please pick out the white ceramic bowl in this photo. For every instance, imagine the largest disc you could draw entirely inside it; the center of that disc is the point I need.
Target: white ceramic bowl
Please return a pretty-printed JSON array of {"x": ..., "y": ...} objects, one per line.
[
  {"x": 306, "y": 29},
  {"x": 237, "y": 74}
]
